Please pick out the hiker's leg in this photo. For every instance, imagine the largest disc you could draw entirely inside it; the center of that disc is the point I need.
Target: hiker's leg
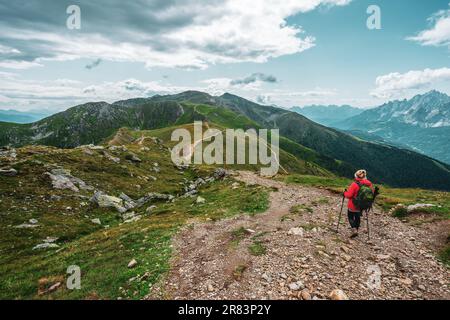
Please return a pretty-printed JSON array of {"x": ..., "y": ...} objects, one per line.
[
  {"x": 358, "y": 219},
  {"x": 351, "y": 218}
]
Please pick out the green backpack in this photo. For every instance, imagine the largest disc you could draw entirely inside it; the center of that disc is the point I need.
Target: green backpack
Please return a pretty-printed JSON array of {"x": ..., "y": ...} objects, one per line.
[{"x": 365, "y": 197}]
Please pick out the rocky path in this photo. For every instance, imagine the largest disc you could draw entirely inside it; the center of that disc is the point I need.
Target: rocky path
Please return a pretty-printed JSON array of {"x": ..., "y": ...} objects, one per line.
[{"x": 304, "y": 258}]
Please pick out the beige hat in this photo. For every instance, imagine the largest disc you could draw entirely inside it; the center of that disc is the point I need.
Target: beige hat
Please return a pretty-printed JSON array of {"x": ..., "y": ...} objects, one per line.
[{"x": 361, "y": 174}]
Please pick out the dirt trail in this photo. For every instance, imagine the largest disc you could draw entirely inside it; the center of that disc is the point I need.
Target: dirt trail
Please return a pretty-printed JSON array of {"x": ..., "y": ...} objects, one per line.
[{"x": 208, "y": 264}]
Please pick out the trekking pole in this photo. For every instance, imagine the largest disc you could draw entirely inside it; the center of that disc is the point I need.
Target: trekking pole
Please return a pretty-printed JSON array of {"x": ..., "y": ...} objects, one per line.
[
  {"x": 368, "y": 224},
  {"x": 340, "y": 213}
]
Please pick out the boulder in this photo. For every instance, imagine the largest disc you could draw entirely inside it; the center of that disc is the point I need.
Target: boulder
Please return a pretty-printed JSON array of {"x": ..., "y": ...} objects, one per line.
[
  {"x": 61, "y": 182},
  {"x": 105, "y": 201},
  {"x": 419, "y": 206},
  {"x": 62, "y": 179}
]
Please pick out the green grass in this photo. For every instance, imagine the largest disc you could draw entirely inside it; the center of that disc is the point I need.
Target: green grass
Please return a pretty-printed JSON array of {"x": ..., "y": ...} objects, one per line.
[
  {"x": 237, "y": 236},
  {"x": 444, "y": 254},
  {"x": 300, "y": 209},
  {"x": 257, "y": 248},
  {"x": 239, "y": 271},
  {"x": 102, "y": 253}
]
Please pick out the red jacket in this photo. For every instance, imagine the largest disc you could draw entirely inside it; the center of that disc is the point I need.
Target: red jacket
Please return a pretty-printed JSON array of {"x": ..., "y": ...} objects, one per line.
[{"x": 353, "y": 192}]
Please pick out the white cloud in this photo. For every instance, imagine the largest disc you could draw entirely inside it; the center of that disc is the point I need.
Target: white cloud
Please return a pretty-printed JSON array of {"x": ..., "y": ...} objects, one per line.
[
  {"x": 61, "y": 94},
  {"x": 296, "y": 98},
  {"x": 187, "y": 34},
  {"x": 438, "y": 34},
  {"x": 397, "y": 84},
  {"x": 253, "y": 82}
]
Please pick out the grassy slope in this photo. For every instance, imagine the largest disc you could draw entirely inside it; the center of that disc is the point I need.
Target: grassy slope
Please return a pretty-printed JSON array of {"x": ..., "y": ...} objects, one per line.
[{"x": 102, "y": 253}]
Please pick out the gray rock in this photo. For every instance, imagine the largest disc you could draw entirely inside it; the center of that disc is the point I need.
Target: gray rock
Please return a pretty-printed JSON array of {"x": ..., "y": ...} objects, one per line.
[
  {"x": 50, "y": 239},
  {"x": 133, "y": 219},
  {"x": 45, "y": 245},
  {"x": 54, "y": 197},
  {"x": 190, "y": 193},
  {"x": 26, "y": 226},
  {"x": 111, "y": 158},
  {"x": 150, "y": 209},
  {"x": 128, "y": 215},
  {"x": 62, "y": 179},
  {"x": 295, "y": 286},
  {"x": 93, "y": 147},
  {"x": 9, "y": 172},
  {"x": 133, "y": 157},
  {"x": 267, "y": 277},
  {"x": 153, "y": 196},
  {"x": 296, "y": 232},
  {"x": 133, "y": 263},
  {"x": 62, "y": 182},
  {"x": 105, "y": 201},
  {"x": 200, "y": 200},
  {"x": 419, "y": 206},
  {"x": 219, "y": 174},
  {"x": 96, "y": 221},
  {"x": 128, "y": 202}
]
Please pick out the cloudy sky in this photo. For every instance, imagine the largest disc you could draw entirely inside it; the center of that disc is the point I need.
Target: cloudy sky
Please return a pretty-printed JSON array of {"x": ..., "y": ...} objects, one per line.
[{"x": 288, "y": 52}]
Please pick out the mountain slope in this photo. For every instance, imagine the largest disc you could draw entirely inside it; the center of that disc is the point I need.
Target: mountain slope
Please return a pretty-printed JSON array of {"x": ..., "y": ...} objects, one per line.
[
  {"x": 387, "y": 164},
  {"x": 327, "y": 115},
  {"x": 413, "y": 123},
  {"x": 94, "y": 122},
  {"x": 91, "y": 123}
]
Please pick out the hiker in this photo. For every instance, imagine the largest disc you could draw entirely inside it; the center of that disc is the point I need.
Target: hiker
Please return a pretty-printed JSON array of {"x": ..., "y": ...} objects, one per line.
[{"x": 360, "y": 197}]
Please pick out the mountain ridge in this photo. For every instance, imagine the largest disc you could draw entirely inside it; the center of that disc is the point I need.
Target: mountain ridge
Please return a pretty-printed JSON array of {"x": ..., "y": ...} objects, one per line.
[
  {"x": 412, "y": 123},
  {"x": 327, "y": 114},
  {"x": 92, "y": 122}
]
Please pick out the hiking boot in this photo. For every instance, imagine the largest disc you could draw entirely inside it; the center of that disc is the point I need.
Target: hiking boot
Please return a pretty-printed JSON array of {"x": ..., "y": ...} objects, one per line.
[{"x": 354, "y": 233}]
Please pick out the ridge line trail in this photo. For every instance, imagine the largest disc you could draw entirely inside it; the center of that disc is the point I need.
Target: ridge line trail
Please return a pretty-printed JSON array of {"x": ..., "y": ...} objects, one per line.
[{"x": 208, "y": 264}]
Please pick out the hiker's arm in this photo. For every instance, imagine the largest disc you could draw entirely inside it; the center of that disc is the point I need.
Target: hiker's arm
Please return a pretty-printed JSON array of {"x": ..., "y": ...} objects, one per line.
[{"x": 351, "y": 192}]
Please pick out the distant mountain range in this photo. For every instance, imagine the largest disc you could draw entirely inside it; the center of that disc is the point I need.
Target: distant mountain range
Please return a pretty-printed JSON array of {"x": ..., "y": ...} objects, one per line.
[
  {"x": 421, "y": 124},
  {"x": 22, "y": 117},
  {"x": 302, "y": 139},
  {"x": 327, "y": 115}
]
